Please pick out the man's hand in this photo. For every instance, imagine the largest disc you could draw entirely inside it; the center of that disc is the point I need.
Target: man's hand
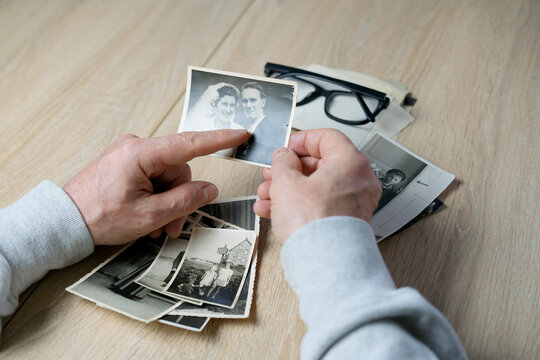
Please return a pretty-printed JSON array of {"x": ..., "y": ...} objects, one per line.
[
  {"x": 143, "y": 186},
  {"x": 321, "y": 174}
]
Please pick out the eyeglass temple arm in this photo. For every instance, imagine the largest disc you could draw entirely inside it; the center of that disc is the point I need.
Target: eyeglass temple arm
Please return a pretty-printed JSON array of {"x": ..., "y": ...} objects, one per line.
[
  {"x": 271, "y": 68},
  {"x": 364, "y": 106}
]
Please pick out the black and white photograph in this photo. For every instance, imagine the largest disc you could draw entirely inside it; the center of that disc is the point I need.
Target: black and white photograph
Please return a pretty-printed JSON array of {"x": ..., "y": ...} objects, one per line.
[
  {"x": 160, "y": 273},
  {"x": 215, "y": 266},
  {"x": 200, "y": 219},
  {"x": 224, "y": 100},
  {"x": 193, "y": 323},
  {"x": 409, "y": 183},
  {"x": 241, "y": 308},
  {"x": 237, "y": 211},
  {"x": 111, "y": 285}
]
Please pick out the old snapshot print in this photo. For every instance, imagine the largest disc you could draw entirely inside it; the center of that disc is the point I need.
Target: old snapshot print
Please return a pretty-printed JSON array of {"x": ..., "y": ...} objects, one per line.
[
  {"x": 200, "y": 219},
  {"x": 241, "y": 308},
  {"x": 409, "y": 183},
  {"x": 111, "y": 285},
  {"x": 192, "y": 323},
  {"x": 160, "y": 273},
  {"x": 224, "y": 100},
  {"x": 236, "y": 211},
  {"x": 215, "y": 266}
]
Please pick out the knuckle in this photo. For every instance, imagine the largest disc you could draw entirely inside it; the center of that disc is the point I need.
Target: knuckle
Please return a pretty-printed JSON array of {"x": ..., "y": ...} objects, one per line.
[
  {"x": 188, "y": 141},
  {"x": 184, "y": 202},
  {"x": 127, "y": 145},
  {"x": 147, "y": 219},
  {"x": 336, "y": 134},
  {"x": 127, "y": 136}
]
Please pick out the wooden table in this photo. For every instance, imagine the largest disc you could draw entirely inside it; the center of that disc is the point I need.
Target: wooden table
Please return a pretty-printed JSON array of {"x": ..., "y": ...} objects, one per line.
[{"x": 74, "y": 75}]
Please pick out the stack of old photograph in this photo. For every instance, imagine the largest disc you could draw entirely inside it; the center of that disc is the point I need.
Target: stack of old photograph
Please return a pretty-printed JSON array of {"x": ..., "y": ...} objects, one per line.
[{"x": 207, "y": 272}]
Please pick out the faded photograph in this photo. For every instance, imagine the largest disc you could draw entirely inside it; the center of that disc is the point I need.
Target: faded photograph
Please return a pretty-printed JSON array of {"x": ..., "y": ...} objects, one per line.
[
  {"x": 199, "y": 219},
  {"x": 393, "y": 167},
  {"x": 409, "y": 184},
  {"x": 215, "y": 266},
  {"x": 241, "y": 308},
  {"x": 161, "y": 272},
  {"x": 237, "y": 211},
  {"x": 111, "y": 285},
  {"x": 223, "y": 100}
]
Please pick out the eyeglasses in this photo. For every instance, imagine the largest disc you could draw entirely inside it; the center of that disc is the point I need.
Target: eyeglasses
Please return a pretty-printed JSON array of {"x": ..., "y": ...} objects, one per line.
[{"x": 345, "y": 102}]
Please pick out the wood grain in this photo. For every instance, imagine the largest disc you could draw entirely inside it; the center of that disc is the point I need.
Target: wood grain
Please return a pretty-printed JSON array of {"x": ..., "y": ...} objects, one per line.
[
  {"x": 74, "y": 75},
  {"x": 96, "y": 70}
]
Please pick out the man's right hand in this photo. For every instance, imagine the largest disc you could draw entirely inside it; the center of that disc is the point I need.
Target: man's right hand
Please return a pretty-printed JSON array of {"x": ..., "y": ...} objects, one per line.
[{"x": 321, "y": 174}]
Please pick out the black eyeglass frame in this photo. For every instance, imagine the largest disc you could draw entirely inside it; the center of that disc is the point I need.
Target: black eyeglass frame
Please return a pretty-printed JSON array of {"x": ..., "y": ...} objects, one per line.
[{"x": 356, "y": 90}]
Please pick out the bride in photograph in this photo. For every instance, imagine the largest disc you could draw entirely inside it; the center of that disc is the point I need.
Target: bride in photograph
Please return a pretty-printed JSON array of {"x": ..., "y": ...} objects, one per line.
[{"x": 215, "y": 109}]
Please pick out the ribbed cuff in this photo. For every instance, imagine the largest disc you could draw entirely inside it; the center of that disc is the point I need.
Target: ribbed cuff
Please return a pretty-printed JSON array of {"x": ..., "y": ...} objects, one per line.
[{"x": 43, "y": 230}]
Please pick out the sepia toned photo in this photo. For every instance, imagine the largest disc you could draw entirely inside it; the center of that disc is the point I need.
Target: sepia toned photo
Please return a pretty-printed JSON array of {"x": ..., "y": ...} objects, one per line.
[
  {"x": 409, "y": 183},
  {"x": 215, "y": 266},
  {"x": 111, "y": 285},
  {"x": 192, "y": 323},
  {"x": 240, "y": 310},
  {"x": 224, "y": 100}
]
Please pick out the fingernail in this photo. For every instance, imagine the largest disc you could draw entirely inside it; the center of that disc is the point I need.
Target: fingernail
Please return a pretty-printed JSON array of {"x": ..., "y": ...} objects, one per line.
[
  {"x": 210, "y": 192},
  {"x": 242, "y": 131},
  {"x": 280, "y": 152}
]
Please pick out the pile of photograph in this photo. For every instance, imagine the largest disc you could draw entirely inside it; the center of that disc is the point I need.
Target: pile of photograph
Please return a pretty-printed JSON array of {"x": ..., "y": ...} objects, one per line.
[{"x": 207, "y": 272}]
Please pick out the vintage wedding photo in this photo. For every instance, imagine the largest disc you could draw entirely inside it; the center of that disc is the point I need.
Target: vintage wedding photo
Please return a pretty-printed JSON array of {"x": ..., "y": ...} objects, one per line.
[
  {"x": 223, "y": 100},
  {"x": 409, "y": 183}
]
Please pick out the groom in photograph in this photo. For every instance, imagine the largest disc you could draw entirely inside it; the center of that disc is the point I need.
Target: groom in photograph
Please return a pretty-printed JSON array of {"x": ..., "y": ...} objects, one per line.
[{"x": 267, "y": 134}]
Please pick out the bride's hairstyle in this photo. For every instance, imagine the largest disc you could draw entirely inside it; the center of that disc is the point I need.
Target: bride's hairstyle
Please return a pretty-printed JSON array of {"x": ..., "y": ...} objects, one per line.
[{"x": 226, "y": 90}]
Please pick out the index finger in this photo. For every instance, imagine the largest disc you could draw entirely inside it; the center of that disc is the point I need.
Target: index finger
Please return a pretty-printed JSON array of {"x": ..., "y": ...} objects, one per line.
[
  {"x": 158, "y": 153},
  {"x": 320, "y": 143}
]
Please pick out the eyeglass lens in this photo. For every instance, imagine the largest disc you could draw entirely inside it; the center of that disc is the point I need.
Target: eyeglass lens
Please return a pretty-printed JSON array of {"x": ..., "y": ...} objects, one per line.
[{"x": 341, "y": 103}]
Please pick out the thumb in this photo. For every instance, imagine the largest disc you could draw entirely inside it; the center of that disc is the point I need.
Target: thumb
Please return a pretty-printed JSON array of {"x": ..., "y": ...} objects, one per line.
[
  {"x": 179, "y": 201},
  {"x": 285, "y": 162}
]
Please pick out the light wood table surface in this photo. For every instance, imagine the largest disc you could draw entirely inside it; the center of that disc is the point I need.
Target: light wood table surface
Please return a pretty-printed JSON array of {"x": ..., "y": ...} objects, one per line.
[{"x": 74, "y": 75}]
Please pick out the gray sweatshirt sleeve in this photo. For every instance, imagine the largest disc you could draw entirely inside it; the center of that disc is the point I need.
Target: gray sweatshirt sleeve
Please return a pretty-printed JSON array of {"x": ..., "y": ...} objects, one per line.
[
  {"x": 350, "y": 303},
  {"x": 43, "y": 230}
]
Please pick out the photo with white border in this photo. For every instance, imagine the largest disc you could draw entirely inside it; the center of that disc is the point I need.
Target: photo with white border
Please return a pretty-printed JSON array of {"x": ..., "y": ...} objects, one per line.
[
  {"x": 160, "y": 273},
  {"x": 215, "y": 266},
  {"x": 225, "y": 100},
  {"x": 111, "y": 285},
  {"x": 236, "y": 211},
  {"x": 241, "y": 309},
  {"x": 410, "y": 183}
]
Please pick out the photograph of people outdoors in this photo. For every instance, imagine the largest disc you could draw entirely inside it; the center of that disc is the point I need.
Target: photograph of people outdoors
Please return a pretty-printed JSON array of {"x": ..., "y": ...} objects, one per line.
[
  {"x": 222, "y": 100},
  {"x": 215, "y": 266},
  {"x": 241, "y": 308}
]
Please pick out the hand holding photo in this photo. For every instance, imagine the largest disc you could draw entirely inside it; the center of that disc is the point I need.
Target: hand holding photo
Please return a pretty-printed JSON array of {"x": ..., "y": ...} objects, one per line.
[{"x": 224, "y": 100}]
